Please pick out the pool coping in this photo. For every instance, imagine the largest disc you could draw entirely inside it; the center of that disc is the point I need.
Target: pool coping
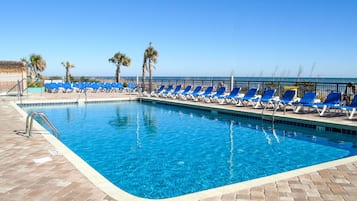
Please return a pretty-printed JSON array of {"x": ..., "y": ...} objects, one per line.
[{"x": 115, "y": 192}]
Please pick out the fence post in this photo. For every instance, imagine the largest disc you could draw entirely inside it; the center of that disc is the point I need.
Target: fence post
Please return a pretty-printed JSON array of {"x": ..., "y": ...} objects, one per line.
[
  {"x": 315, "y": 87},
  {"x": 279, "y": 88},
  {"x": 232, "y": 82},
  {"x": 19, "y": 91}
]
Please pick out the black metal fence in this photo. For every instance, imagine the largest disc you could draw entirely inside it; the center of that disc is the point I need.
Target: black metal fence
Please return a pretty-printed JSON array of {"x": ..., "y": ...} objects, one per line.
[{"x": 322, "y": 88}]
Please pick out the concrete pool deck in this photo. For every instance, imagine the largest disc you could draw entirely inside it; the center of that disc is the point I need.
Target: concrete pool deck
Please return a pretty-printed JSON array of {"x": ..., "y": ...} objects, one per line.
[{"x": 40, "y": 168}]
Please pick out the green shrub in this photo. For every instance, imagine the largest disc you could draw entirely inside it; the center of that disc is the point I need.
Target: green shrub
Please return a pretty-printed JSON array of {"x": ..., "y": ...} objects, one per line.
[
  {"x": 55, "y": 78},
  {"x": 85, "y": 79},
  {"x": 34, "y": 84}
]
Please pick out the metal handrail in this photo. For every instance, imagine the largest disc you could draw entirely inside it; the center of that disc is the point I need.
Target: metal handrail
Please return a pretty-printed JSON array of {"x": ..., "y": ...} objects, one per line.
[
  {"x": 19, "y": 91},
  {"x": 44, "y": 118}
]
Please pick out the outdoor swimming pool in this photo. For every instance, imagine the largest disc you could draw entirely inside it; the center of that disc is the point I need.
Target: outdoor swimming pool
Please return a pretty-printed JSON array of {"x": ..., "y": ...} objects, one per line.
[{"x": 161, "y": 151}]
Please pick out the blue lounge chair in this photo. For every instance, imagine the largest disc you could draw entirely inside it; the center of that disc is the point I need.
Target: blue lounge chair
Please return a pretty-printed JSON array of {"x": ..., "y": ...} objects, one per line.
[
  {"x": 75, "y": 86},
  {"x": 286, "y": 100},
  {"x": 306, "y": 100},
  {"x": 332, "y": 99},
  {"x": 242, "y": 101},
  {"x": 156, "y": 92},
  {"x": 83, "y": 86},
  {"x": 51, "y": 87},
  {"x": 234, "y": 93},
  {"x": 67, "y": 87},
  {"x": 264, "y": 100},
  {"x": 220, "y": 93},
  {"x": 173, "y": 93},
  {"x": 117, "y": 86},
  {"x": 184, "y": 92},
  {"x": 187, "y": 90},
  {"x": 114, "y": 86},
  {"x": 350, "y": 109},
  {"x": 192, "y": 94},
  {"x": 166, "y": 91},
  {"x": 95, "y": 86},
  {"x": 120, "y": 86},
  {"x": 160, "y": 89},
  {"x": 107, "y": 87},
  {"x": 204, "y": 94},
  {"x": 131, "y": 87},
  {"x": 60, "y": 86}
]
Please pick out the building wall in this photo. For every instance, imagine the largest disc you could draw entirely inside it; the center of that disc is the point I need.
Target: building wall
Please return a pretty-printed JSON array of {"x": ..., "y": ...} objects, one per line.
[{"x": 10, "y": 73}]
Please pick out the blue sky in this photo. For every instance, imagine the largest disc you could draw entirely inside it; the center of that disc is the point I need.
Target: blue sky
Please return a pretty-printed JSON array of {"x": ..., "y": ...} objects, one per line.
[{"x": 193, "y": 37}]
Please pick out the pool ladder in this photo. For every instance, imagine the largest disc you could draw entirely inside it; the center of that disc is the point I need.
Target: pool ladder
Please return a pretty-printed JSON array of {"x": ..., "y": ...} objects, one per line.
[
  {"x": 269, "y": 117},
  {"x": 43, "y": 117}
]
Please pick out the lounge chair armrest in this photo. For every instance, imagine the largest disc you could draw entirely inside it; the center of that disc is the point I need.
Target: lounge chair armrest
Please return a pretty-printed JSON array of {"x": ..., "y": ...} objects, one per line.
[
  {"x": 276, "y": 98},
  {"x": 240, "y": 95},
  {"x": 297, "y": 100},
  {"x": 317, "y": 100}
]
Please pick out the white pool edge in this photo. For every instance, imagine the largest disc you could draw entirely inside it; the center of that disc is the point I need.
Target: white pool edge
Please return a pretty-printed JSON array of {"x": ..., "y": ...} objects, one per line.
[{"x": 115, "y": 192}]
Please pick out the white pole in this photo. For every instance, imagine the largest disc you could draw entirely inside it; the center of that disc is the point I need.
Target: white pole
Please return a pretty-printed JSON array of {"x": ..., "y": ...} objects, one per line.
[{"x": 232, "y": 80}]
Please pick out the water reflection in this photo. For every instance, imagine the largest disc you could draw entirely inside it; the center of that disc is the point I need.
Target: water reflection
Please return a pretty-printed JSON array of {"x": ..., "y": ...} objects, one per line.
[
  {"x": 231, "y": 149},
  {"x": 121, "y": 120},
  {"x": 150, "y": 122},
  {"x": 268, "y": 135},
  {"x": 138, "y": 144},
  {"x": 68, "y": 114}
]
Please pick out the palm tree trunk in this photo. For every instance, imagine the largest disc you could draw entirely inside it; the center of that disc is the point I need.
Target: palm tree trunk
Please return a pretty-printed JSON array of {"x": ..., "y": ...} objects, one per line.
[
  {"x": 117, "y": 78},
  {"x": 143, "y": 79},
  {"x": 150, "y": 78},
  {"x": 32, "y": 74},
  {"x": 67, "y": 74}
]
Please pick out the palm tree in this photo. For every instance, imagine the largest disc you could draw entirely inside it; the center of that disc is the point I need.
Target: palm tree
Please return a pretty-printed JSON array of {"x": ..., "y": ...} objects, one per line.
[
  {"x": 119, "y": 59},
  {"x": 150, "y": 57},
  {"x": 67, "y": 65},
  {"x": 144, "y": 69},
  {"x": 36, "y": 64}
]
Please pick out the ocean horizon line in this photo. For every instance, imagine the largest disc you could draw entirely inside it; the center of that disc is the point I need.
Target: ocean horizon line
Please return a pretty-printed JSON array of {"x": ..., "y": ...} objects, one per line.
[{"x": 227, "y": 78}]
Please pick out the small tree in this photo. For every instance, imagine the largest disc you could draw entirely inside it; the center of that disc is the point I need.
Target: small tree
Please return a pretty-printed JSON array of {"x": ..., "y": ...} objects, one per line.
[
  {"x": 35, "y": 65},
  {"x": 67, "y": 66},
  {"x": 119, "y": 59}
]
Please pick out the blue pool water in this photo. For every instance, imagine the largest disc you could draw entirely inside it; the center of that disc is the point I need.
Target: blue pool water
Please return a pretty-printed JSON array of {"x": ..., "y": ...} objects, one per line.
[{"x": 161, "y": 151}]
